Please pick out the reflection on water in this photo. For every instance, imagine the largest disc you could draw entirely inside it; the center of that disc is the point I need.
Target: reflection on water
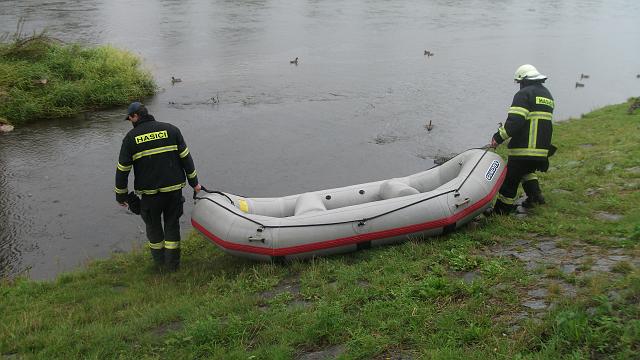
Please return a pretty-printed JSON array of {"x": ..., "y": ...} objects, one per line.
[
  {"x": 352, "y": 111},
  {"x": 53, "y": 214}
]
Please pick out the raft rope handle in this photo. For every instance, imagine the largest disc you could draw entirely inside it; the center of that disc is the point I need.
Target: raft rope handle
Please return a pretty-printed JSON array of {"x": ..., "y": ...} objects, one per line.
[
  {"x": 406, "y": 206},
  {"x": 202, "y": 188},
  {"x": 471, "y": 172},
  {"x": 361, "y": 222},
  {"x": 262, "y": 226}
]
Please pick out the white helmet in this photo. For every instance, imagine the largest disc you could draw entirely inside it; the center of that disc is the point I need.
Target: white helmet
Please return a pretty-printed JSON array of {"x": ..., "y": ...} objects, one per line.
[{"x": 527, "y": 72}]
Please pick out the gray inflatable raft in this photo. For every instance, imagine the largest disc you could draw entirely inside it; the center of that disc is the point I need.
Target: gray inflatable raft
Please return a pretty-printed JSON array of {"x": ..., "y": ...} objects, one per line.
[{"x": 345, "y": 219}]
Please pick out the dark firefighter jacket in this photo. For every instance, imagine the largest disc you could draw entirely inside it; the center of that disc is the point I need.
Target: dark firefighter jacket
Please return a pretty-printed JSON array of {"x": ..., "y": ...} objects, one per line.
[
  {"x": 529, "y": 124},
  {"x": 159, "y": 157}
]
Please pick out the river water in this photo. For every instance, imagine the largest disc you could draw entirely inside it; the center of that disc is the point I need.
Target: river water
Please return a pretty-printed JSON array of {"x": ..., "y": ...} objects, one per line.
[{"x": 353, "y": 110}]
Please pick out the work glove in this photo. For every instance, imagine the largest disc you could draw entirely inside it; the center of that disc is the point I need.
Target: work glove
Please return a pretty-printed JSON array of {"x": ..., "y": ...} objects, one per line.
[{"x": 134, "y": 203}]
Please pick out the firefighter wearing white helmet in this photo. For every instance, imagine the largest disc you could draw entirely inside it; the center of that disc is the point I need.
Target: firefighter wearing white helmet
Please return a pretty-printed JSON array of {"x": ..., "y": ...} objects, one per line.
[
  {"x": 529, "y": 129},
  {"x": 527, "y": 72}
]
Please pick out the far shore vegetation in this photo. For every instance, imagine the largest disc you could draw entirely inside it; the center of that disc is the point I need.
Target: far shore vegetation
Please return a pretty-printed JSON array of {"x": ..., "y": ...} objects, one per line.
[
  {"x": 560, "y": 283},
  {"x": 44, "y": 78}
]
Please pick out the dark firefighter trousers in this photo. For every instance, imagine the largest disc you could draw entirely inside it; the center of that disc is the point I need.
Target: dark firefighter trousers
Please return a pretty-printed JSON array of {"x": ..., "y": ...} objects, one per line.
[
  {"x": 164, "y": 241},
  {"x": 519, "y": 171}
]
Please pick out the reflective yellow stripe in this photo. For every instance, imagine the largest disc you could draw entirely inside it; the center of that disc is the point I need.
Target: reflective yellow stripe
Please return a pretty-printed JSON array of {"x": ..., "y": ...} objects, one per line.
[
  {"x": 121, "y": 191},
  {"x": 192, "y": 175},
  {"x": 533, "y": 133},
  {"x": 164, "y": 189},
  {"x": 506, "y": 200},
  {"x": 157, "y": 246},
  {"x": 171, "y": 244},
  {"x": 155, "y": 151},
  {"x": 184, "y": 153},
  {"x": 540, "y": 115},
  {"x": 172, "y": 188},
  {"x": 528, "y": 152},
  {"x": 529, "y": 177},
  {"x": 124, "y": 168},
  {"x": 503, "y": 133},
  {"x": 519, "y": 111},
  {"x": 244, "y": 206}
]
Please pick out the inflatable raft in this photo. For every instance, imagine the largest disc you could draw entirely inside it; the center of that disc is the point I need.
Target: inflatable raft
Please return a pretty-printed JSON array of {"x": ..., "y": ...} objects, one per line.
[{"x": 324, "y": 222}]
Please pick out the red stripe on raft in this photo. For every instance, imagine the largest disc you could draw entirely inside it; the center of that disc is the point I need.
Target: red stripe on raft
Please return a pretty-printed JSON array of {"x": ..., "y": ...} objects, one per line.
[{"x": 298, "y": 249}]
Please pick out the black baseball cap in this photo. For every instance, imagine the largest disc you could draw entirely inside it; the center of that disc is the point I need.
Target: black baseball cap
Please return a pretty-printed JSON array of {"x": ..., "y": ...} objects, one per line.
[{"x": 133, "y": 108}]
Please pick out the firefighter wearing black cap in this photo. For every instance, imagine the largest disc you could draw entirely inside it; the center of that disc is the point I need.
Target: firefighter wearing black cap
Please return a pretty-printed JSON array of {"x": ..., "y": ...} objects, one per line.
[
  {"x": 162, "y": 164},
  {"x": 529, "y": 128}
]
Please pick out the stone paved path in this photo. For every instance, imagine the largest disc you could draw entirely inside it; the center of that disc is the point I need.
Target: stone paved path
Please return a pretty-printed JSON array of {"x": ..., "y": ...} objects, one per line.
[{"x": 556, "y": 261}]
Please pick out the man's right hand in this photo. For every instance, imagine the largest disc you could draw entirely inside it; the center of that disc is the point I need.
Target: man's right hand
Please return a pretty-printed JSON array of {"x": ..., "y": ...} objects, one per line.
[
  {"x": 494, "y": 144},
  {"x": 124, "y": 204},
  {"x": 197, "y": 188}
]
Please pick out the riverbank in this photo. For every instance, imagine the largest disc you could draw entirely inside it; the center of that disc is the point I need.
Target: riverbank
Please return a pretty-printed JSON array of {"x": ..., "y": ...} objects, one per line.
[
  {"x": 43, "y": 78},
  {"x": 562, "y": 282}
]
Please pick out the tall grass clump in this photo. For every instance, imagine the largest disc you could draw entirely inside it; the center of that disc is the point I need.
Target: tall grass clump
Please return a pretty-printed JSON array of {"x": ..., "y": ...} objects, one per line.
[{"x": 44, "y": 78}]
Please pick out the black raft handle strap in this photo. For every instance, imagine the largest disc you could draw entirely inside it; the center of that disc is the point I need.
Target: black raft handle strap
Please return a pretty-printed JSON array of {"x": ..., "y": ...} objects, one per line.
[{"x": 202, "y": 188}]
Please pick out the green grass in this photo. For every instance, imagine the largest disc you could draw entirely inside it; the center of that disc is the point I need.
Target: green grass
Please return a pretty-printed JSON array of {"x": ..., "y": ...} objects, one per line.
[
  {"x": 78, "y": 78},
  {"x": 407, "y": 300}
]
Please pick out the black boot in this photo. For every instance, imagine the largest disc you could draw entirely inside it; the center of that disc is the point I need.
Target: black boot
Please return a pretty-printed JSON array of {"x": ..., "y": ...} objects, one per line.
[
  {"x": 533, "y": 200},
  {"x": 534, "y": 194},
  {"x": 172, "y": 259},
  {"x": 158, "y": 258},
  {"x": 501, "y": 208}
]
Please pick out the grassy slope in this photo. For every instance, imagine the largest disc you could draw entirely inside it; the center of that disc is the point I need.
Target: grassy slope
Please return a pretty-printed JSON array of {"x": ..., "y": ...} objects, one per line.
[
  {"x": 77, "y": 79},
  {"x": 407, "y": 299}
]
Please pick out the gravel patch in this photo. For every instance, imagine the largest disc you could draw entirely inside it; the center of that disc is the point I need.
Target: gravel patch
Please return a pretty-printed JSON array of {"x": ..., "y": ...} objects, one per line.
[
  {"x": 577, "y": 259},
  {"x": 602, "y": 215},
  {"x": 332, "y": 352}
]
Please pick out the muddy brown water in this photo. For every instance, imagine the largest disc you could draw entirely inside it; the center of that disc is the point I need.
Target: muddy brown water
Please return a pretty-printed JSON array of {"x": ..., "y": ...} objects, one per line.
[{"x": 353, "y": 110}]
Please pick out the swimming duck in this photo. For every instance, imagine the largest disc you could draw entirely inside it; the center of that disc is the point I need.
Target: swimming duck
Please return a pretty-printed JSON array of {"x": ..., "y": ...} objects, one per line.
[
  {"x": 578, "y": 84},
  {"x": 294, "y": 61},
  {"x": 428, "y": 53},
  {"x": 175, "y": 80},
  {"x": 584, "y": 76},
  {"x": 429, "y": 126}
]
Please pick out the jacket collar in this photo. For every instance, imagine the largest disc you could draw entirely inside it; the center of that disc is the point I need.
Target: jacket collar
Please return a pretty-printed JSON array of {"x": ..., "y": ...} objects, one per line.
[{"x": 144, "y": 119}]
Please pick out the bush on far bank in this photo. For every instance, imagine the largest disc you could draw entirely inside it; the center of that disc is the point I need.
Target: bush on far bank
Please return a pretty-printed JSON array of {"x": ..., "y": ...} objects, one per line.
[{"x": 43, "y": 78}]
